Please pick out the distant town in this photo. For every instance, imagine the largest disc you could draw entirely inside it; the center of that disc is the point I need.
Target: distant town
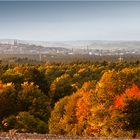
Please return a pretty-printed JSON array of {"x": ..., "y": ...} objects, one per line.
[
  {"x": 41, "y": 50},
  {"x": 70, "y": 48}
]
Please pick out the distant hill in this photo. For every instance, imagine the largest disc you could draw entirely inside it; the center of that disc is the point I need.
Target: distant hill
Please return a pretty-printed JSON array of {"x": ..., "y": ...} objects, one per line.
[
  {"x": 24, "y": 47},
  {"x": 80, "y": 44}
]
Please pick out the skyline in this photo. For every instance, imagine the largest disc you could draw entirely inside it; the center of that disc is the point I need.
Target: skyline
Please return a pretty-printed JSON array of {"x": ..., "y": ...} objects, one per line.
[{"x": 64, "y": 21}]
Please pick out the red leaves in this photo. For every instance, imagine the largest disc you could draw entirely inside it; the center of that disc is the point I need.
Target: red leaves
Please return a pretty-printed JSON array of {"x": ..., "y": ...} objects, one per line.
[
  {"x": 83, "y": 107},
  {"x": 134, "y": 92},
  {"x": 118, "y": 101},
  {"x": 131, "y": 93}
]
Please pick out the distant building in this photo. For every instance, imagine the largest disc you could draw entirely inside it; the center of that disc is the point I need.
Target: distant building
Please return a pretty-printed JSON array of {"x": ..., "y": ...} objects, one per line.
[
  {"x": 120, "y": 59},
  {"x": 15, "y": 43},
  {"x": 90, "y": 53}
]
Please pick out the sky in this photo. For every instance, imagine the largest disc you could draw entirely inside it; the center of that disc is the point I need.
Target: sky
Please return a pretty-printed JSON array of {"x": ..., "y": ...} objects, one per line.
[{"x": 70, "y": 20}]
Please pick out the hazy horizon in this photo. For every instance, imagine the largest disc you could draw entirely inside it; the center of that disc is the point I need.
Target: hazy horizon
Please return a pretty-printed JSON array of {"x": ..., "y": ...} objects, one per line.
[
  {"x": 70, "y": 21},
  {"x": 28, "y": 40}
]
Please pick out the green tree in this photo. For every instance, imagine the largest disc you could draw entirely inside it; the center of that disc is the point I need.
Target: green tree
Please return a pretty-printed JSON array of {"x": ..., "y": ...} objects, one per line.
[
  {"x": 8, "y": 101},
  {"x": 60, "y": 87},
  {"x": 25, "y": 123},
  {"x": 31, "y": 99},
  {"x": 32, "y": 74}
]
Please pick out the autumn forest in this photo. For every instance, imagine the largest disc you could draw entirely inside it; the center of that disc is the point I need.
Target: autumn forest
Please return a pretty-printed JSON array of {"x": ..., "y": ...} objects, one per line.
[{"x": 80, "y": 98}]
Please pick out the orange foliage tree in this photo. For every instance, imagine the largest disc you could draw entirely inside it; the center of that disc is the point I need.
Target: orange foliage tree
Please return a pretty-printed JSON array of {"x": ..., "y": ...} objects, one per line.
[{"x": 128, "y": 105}]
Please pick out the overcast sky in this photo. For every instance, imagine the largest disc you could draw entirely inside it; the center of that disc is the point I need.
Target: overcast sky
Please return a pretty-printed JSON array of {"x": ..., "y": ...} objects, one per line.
[{"x": 55, "y": 21}]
